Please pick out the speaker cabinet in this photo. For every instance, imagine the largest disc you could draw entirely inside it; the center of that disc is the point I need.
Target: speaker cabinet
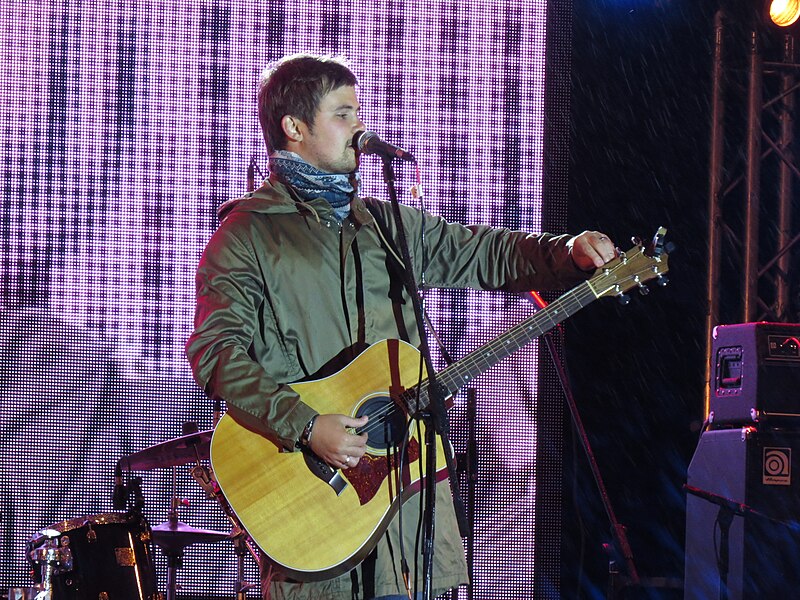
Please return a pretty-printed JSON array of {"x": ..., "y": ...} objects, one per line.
[{"x": 760, "y": 469}]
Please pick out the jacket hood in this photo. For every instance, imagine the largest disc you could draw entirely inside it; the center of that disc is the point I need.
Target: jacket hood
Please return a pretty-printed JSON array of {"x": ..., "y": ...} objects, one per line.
[{"x": 271, "y": 197}]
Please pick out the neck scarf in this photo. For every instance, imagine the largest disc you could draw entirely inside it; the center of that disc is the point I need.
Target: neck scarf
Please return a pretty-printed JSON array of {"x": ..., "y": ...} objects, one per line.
[{"x": 310, "y": 182}]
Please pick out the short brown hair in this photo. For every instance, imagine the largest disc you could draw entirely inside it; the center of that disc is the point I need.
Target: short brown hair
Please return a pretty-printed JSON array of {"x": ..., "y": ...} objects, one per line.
[{"x": 295, "y": 85}]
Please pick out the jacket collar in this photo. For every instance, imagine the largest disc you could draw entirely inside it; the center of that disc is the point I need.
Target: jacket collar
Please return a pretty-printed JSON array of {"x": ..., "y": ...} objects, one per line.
[{"x": 274, "y": 197}]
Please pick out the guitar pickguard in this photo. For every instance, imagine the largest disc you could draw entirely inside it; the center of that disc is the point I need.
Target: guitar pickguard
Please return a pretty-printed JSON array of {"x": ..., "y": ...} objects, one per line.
[
  {"x": 384, "y": 438},
  {"x": 367, "y": 477}
]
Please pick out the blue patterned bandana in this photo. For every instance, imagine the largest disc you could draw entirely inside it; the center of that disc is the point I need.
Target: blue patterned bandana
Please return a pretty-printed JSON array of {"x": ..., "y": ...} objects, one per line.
[{"x": 310, "y": 182}]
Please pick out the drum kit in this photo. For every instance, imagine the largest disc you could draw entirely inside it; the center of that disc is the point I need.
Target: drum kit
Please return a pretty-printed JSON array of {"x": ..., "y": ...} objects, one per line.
[{"x": 109, "y": 556}]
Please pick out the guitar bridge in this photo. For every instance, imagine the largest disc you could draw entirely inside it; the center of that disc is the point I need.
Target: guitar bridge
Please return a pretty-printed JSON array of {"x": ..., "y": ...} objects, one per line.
[{"x": 324, "y": 471}]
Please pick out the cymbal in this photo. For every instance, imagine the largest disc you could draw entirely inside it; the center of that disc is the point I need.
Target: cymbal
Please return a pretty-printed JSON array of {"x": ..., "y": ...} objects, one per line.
[
  {"x": 171, "y": 453},
  {"x": 173, "y": 537}
]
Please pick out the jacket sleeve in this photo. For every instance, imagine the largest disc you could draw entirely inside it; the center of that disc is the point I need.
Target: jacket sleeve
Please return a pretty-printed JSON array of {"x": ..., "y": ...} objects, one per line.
[
  {"x": 483, "y": 257},
  {"x": 229, "y": 294}
]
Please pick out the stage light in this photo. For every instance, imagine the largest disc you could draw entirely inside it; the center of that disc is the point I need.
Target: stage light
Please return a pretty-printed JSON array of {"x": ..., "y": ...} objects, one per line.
[{"x": 784, "y": 12}]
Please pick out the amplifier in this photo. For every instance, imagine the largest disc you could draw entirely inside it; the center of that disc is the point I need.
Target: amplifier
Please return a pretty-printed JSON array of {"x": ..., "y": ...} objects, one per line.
[{"x": 756, "y": 373}]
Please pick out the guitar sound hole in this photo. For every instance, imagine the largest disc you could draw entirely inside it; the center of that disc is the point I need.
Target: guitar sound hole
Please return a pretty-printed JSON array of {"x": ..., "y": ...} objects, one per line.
[{"x": 387, "y": 423}]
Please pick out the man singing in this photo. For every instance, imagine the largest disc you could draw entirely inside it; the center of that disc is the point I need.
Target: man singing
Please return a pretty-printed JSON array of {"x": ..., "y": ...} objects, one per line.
[{"x": 300, "y": 278}]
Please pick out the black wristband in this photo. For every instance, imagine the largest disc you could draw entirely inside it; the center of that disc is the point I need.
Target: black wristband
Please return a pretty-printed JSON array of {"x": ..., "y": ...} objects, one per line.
[{"x": 305, "y": 436}]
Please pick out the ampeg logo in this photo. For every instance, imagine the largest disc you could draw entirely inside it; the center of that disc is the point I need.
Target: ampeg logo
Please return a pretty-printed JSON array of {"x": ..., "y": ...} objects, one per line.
[{"x": 777, "y": 466}]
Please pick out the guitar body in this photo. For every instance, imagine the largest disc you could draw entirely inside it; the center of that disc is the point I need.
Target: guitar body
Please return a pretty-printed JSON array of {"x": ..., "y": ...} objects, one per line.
[{"x": 295, "y": 516}]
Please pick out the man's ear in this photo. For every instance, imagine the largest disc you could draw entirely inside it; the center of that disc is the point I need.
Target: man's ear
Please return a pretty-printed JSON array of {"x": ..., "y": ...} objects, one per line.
[{"x": 291, "y": 128}]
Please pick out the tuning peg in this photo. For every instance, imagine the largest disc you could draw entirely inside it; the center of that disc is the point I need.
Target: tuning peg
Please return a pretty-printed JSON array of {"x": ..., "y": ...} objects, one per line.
[
  {"x": 662, "y": 280},
  {"x": 636, "y": 241},
  {"x": 624, "y": 299},
  {"x": 643, "y": 289}
]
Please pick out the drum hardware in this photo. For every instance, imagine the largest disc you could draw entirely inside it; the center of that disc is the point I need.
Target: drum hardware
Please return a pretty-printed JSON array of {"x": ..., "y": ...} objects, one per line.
[
  {"x": 123, "y": 492},
  {"x": 52, "y": 559},
  {"x": 89, "y": 557},
  {"x": 173, "y": 536},
  {"x": 242, "y": 544},
  {"x": 26, "y": 593}
]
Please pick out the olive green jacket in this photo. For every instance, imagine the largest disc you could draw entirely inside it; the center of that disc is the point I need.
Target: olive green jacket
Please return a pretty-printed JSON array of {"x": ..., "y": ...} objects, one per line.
[{"x": 285, "y": 292}]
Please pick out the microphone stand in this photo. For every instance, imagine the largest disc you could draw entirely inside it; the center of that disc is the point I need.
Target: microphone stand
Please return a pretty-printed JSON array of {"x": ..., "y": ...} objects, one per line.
[
  {"x": 727, "y": 510},
  {"x": 436, "y": 417}
]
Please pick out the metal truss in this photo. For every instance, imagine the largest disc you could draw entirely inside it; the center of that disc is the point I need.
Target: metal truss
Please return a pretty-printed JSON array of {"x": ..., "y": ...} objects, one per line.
[{"x": 754, "y": 237}]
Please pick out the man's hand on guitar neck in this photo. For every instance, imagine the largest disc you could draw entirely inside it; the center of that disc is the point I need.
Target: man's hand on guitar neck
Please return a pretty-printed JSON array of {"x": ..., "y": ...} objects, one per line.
[
  {"x": 591, "y": 250},
  {"x": 333, "y": 441}
]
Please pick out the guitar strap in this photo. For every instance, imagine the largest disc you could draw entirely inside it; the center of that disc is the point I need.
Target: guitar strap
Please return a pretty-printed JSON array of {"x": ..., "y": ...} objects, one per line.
[
  {"x": 385, "y": 235},
  {"x": 391, "y": 250},
  {"x": 394, "y": 267},
  {"x": 354, "y": 584},
  {"x": 367, "y": 575}
]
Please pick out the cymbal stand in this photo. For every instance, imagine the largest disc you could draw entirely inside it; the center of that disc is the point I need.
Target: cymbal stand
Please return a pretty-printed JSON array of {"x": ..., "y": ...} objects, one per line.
[
  {"x": 242, "y": 543},
  {"x": 241, "y": 548},
  {"x": 174, "y": 554}
]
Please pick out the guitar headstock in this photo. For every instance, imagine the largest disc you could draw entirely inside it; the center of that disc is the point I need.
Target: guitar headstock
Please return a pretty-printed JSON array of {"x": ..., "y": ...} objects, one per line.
[{"x": 633, "y": 269}]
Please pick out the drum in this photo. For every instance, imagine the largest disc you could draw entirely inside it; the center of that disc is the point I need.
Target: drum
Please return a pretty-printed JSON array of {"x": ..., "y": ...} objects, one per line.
[{"x": 99, "y": 557}]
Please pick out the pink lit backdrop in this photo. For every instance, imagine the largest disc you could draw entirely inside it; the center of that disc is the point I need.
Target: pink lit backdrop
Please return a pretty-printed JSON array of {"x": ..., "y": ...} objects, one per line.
[{"x": 124, "y": 126}]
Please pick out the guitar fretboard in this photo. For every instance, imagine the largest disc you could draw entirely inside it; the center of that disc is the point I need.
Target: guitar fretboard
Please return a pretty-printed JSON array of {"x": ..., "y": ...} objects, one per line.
[{"x": 459, "y": 374}]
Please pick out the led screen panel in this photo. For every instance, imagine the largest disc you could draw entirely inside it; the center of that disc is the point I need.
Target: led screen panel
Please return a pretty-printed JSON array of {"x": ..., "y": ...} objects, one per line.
[{"x": 124, "y": 126}]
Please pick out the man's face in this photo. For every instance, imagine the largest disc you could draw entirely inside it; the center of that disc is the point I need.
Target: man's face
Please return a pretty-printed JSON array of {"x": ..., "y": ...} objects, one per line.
[{"x": 328, "y": 144}]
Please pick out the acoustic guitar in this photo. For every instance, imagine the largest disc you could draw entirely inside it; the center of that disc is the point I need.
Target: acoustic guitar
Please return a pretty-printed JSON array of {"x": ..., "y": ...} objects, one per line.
[{"x": 315, "y": 522}]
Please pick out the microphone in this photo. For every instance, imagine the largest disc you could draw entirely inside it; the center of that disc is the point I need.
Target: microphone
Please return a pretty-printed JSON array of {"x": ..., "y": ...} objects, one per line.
[
  {"x": 368, "y": 142},
  {"x": 731, "y": 505},
  {"x": 120, "y": 497}
]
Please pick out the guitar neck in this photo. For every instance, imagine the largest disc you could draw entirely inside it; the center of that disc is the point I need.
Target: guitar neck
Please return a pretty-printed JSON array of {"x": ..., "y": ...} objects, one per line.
[{"x": 460, "y": 373}]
